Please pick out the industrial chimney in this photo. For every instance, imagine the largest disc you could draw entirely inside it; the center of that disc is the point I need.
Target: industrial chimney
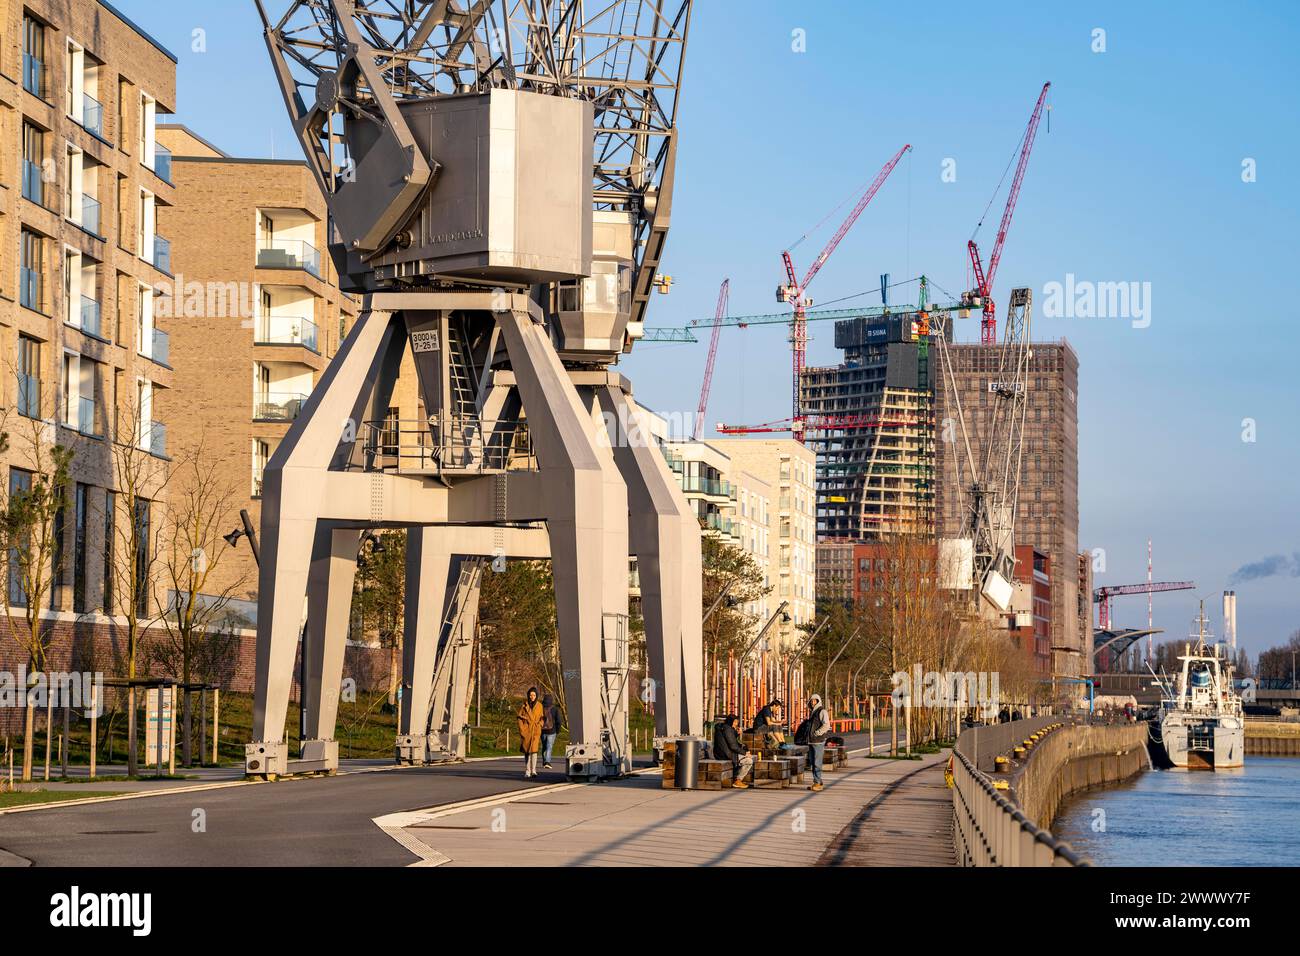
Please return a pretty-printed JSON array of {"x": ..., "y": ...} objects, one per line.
[{"x": 1230, "y": 618}]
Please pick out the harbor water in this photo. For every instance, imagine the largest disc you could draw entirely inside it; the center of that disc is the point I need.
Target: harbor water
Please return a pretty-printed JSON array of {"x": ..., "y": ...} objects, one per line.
[{"x": 1242, "y": 817}]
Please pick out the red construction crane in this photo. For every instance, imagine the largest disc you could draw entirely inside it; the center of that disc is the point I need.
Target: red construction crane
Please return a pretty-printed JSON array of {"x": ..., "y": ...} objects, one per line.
[
  {"x": 984, "y": 280},
  {"x": 721, "y": 312},
  {"x": 1101, "y": 596},
  {"x": 795, "y": 292}
]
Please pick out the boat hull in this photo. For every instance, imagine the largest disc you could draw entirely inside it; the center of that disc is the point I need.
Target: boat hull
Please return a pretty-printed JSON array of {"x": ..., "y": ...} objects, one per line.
[{"x": 1204, "y": 745}]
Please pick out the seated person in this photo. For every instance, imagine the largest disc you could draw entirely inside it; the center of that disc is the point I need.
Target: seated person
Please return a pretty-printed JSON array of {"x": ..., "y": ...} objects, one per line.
[
  {"x": 727, "y": 746},
  {"x": 770, "y": 720}
]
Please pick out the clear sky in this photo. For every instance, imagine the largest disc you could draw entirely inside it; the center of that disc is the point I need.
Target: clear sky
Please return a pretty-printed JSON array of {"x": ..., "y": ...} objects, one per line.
[{"x": 1140, "y": 179}]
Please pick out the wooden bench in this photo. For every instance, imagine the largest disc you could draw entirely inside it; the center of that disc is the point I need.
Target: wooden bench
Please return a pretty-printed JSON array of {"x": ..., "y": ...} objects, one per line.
[
  {"x": 771, "y": 774},
  {"x": 835, "y": 758},
  {"x": 713, "y": 774}
]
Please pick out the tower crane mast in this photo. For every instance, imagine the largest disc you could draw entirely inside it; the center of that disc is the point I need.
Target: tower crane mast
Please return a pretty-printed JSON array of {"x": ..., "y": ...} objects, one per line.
[
  {"x": 795, "y": 291},
  {"x": 984, "y": 279},
  {"x": 721, "y": 312}
]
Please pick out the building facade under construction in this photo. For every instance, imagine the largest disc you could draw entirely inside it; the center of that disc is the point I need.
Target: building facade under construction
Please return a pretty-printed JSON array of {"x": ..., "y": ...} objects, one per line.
[
  {"x": 871, "y": 424},
  {"x": 1047, "y": 512}
]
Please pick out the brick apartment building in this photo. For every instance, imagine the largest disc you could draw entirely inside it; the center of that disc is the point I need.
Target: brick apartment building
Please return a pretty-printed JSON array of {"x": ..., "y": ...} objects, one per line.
[
  {"x": 82, "y": 183},
  {"x": 255, "y": 316},
  {"x": 1048, "y": 512}
]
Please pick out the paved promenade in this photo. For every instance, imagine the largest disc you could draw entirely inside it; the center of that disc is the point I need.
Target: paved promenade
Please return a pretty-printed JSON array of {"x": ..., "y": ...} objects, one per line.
[{"x": 873, "y": 813}]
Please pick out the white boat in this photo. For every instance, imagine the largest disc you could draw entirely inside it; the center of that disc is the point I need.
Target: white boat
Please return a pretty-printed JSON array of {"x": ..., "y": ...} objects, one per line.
[{"x": 1201, "y": 725}]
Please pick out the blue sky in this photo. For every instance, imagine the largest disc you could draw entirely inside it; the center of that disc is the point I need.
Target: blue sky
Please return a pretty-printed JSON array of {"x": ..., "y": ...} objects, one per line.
[{"x": 1139, "y": 179}]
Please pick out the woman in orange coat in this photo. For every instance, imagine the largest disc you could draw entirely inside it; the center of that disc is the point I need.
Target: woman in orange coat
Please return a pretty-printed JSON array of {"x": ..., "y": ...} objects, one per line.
[{"x": 530, "y": 731}]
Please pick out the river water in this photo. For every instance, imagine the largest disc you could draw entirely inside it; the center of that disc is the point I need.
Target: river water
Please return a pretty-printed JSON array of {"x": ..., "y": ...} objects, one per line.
[{"x": 1245, "y": 817}]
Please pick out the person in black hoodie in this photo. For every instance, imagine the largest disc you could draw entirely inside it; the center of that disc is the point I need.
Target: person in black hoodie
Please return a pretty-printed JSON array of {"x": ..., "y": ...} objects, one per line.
[
  {"x": 727, "y": 746},
  {"x": 550, "y": 728}
]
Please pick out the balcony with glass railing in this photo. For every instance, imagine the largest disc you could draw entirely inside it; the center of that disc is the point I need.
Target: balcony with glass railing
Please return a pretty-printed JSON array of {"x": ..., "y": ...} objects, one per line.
[
  {"x": 286, "y": 330},
  {"x": 34, "y": 75},
  {"x": 90, "y": 214},
  {"x": 29, "y": 395},
  {"x": 162, "y": 162},
  {"x": 162, "y": 254},
  {"x": 86, "y": 415},
  {"x": 92, "y": 115},
  {"x": 90, "y": 317},
  {"x": 277, "y": 406},
  {"x": 275, "y": 253}
]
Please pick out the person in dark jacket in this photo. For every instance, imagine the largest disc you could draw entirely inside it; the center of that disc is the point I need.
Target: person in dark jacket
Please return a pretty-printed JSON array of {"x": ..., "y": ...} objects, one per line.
[
  {"x": 769, "y": 721},
  {"x": 550, "y": 729},
  {"x": 727, "y": 746}
]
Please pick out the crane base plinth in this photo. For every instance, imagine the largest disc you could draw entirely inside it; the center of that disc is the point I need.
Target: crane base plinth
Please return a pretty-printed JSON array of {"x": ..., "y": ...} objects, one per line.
[
  {"x": 589, "y": 761},
  {"x": 266, "y": 759}
]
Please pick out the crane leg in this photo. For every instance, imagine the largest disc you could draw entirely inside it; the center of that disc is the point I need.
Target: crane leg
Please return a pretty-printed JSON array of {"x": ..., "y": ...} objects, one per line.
[
  {"x": 428, "y": 576},
  {"x": 294, "y": 484},
  {"x": 585, "y": 504},
  {"x": 664, "y": 534},
  {"x": 329, "y": 602}
]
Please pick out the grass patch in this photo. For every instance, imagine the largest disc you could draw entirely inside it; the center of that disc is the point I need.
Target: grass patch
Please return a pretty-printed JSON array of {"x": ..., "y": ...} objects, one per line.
[{"x": 25, "y": 798}]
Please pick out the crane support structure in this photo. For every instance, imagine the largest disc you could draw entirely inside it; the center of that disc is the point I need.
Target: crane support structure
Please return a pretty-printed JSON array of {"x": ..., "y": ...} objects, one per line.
[
  {"x": 1101, "y": 596},
  {"x": 499, "y": 179},
  {"x": 981, "y": 295}
]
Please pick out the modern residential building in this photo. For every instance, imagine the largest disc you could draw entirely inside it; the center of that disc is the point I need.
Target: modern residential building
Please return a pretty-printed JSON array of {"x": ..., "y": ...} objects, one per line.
[
  {"x": 789, "y": 468},
  {"x": 835, "y": 571},
  {"x": 255, "y": 312},
  {"x": 1048, "y": 511},
  {"x": 83, "y": 186}
]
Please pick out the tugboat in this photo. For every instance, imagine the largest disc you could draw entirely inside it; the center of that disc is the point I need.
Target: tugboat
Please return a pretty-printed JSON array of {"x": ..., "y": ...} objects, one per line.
[{"x": 1201, "y": 725}]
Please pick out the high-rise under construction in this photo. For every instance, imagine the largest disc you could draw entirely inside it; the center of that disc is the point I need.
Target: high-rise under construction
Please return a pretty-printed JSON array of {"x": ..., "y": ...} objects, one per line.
[{"x": 871, "y": 422}]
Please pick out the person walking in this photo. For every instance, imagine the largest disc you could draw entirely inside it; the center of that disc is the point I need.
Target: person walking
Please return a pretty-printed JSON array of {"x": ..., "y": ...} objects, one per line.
[
  {"x": 550, "y": 729},
  {"x": 530, "y": 731},
  {"x": 819, "y": 728}
]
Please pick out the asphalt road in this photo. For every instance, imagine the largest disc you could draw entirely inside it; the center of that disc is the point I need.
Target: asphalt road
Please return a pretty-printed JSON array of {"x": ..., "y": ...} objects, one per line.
[{"x": 320, "y": 821}]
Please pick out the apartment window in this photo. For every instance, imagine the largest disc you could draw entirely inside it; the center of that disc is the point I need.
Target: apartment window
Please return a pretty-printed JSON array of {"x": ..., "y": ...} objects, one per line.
[
  {"x": 33, "y": 164},
  {"x": 261, "y": 454},
  {"x": 20, "y": 483},
  {"x": 123, "y": 204},
  {"x": 31, "y": 271},
  {"x": 34, "y": 56},
  {"x": 29, "y": 377},
  {"x": 142, "y": 556},
  {"x": 79, "y": 550},
  {"x": 58, "y": 559},
  {"x": 110, "y": 507},
  {"x": 123, "y": 97}
]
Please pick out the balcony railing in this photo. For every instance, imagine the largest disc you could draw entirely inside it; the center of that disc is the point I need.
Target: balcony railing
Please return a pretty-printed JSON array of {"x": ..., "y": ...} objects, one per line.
[
  {"x": 162, "y": 162},
  {"x": 92, "y": 115},
  {"x": 161, "y": 351},
  {"x": 33, "y": 183},
  {"x": 277, "y": 406},
  {"x": 286, "y": 330},
  {"x": 706, "y": 486},
  {"x": 90, "y": 316},
  {"x": 86, "y": 415},
  {"x": 158, "y": 439},
  {"x": 275, "y": 253},
  {"x": 29, "y": 289},
  {"x": 90, "y": 214},
  {"x": 162, "y": 254},
  {"x": 29, "y": 395},
  {"x": 34, "y": 75}
]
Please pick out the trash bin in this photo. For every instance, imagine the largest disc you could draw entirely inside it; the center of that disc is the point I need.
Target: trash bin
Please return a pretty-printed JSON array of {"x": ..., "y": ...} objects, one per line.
[{"x": 686, "y": 769}]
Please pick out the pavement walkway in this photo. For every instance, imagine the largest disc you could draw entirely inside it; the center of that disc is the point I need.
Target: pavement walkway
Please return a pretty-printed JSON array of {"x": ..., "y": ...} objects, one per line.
[{"x": 634, "y": 822}]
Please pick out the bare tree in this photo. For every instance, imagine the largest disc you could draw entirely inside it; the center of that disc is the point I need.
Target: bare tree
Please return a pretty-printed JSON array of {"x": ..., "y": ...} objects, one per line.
[
  {"x": 141, "y": 473},
  {"x": 193, "y": 610},
  {"x": 34, "y": 506}
]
